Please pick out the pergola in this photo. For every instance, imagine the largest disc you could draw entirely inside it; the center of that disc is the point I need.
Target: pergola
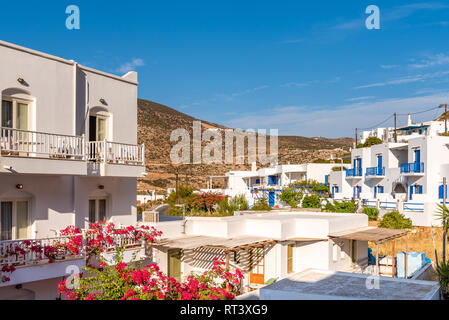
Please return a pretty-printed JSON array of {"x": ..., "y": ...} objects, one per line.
[
  {"x": 377, "y": 236},
  {"x": 211, "y": 179},
  {"x": 227, "y": 245}
]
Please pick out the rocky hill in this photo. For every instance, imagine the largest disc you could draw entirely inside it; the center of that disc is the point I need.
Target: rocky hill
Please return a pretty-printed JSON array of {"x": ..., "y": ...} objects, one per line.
[{"x": 156, "y": 122}]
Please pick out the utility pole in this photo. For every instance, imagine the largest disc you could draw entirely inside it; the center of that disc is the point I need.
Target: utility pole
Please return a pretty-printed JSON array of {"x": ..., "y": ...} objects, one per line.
[
  {"x": 445, "y": 116},
  {"x": 356, "y": 138},
  {"x": 395, "y": 128}
]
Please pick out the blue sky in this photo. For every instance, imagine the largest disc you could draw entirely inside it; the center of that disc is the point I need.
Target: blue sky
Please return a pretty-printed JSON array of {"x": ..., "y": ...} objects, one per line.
[{"x": 304, "y": 67}]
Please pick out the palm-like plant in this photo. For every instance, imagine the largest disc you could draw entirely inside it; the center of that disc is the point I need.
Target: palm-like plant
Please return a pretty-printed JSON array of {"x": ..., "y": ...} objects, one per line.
[
  {"x": 443, "y": 274},
  {"x": 442, "y": 267}
]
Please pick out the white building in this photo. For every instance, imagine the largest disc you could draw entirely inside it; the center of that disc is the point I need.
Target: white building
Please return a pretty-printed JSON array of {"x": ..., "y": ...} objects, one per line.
[
  {"x": 272, "y": 180},
  {"x": 68, "y": 156},
  {"x": 262, "y": 246},
  {"x": 406, "y": 175},
  {"x": 409, "y": 131}
]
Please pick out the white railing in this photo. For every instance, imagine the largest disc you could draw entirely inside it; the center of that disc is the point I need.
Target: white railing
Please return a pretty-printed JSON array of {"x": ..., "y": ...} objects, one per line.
[
  {"x": 29, "y": 251},
  {"x": 24, "y": 143},
  {"x": 15, "y": 142},
  {"x": 117, "y": 153}
]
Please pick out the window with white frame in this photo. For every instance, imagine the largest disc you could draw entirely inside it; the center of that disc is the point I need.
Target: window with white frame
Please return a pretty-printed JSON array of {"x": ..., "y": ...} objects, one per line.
[
  {"x": 97, "y": 210},
  {"x": 14, "y": 220},
  {"x": 15, "y": 113}
]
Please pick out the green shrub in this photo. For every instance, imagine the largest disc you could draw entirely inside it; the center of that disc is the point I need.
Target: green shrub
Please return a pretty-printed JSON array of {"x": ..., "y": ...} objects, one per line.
[
  {"x": 372, "y": 213},
  {"x": 239, "y": 202},
  {"x": 291, "y": 197},
  {"x": 370, "y": 141},
  {"x": 261, "y": 205},
  {"x": 311, "y": 201},
  {"x": 139, "y": 210},
  {"x": 395, "y": 220},
  {"x": 185, "y": 196},
  {"x": 342, "y": 207}
]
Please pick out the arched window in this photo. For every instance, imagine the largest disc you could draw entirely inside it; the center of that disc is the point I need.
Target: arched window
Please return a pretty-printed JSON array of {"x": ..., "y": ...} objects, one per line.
[{"x": 16, "y": 109}]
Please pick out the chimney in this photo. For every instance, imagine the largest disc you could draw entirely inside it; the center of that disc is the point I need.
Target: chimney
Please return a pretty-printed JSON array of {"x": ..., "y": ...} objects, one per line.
[
  {"x": 253, "y": 166},
  {"x": 409, "y": 120}
]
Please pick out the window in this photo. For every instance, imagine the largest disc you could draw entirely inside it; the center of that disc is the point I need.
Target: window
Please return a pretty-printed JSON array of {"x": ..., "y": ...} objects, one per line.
[
  {"x": 97, "y": 210},
  {"x": 14, "y": 220},
  {"x": 15, "y": 114}
]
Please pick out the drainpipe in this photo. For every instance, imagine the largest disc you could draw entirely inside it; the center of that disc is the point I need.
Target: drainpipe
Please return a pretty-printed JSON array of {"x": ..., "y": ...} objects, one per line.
[{"x": 75, "y": 67}]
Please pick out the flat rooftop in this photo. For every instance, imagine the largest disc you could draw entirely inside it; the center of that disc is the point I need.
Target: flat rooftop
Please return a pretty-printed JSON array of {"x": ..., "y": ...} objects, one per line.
[{"x": 329, "y": 285}]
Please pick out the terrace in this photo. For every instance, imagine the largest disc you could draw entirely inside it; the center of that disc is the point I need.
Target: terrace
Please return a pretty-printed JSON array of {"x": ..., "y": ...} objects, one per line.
[
  {"x": 39, "y": 259},
  {"x": 354, "y": 173},
  {"x": 415, "y": 168},
  {"x": 375, "y": 172},
  {"x": 18, "y": 147}
]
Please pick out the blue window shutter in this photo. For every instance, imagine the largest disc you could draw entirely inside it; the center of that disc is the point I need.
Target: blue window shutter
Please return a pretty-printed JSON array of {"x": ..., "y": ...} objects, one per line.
[{"x": 440, "y": 192}]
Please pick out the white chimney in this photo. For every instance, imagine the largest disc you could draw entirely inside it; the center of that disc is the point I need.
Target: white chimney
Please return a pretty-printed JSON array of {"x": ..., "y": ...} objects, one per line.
[
  {"x": 253, "y": 166},
  {"x": 409, "y": 120}
]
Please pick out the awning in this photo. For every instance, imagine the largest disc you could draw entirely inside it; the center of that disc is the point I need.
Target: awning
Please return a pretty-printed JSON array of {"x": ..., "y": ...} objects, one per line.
[
  {"x": 377, "y": 235},
  {"x": 226, "y": 244}
]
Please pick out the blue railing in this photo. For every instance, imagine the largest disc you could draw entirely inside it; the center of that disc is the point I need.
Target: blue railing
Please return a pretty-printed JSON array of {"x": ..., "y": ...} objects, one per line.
[
  {"x": 415, "y": 167},
  {"x": 375, "y": 171},
  {"x": 409, "y": 206},
  {"x": 355, "y": 172}
]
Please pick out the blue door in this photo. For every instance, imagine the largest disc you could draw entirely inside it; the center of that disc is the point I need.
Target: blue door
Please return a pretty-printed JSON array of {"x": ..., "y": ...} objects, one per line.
[
  {"x": 417, "y": 161},
  {"x": 411, "y": 193},
  {"x": 271, "y": 199},
  {"x": 379, "y": 165},
  {"x": 441, "y": 192},
  {"x": 375, "y": 192}
]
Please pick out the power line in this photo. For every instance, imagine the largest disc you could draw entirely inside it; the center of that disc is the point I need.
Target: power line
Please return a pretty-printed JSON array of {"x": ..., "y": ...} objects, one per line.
[{"x": 399, "y": 114}]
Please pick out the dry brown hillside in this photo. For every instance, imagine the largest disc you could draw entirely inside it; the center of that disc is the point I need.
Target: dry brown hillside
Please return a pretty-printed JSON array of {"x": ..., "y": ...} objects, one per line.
[{"x": 156, "y": 122}]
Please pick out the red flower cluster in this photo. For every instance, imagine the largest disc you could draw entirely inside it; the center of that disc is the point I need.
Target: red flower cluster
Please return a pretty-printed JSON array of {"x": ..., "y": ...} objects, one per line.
[
  {"x": 205, "y": 201},
  {"x": 99, "y": 237},
  {"x": 124, "y": 282}
]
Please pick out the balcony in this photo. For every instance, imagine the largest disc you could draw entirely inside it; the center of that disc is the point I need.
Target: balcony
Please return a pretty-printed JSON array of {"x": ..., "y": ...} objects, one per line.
[
  {"x": 32, "y": 152},
  {"x": 375, "y": 172},
  {"x": 115, "y": 159},
  {"x": 354, "y": 173},
  {"x": 31, "y": 259},
  {"x": 415, "y": 168},
  {"x": 24, "y": 151},
  {"x": 40, "y": 259}
]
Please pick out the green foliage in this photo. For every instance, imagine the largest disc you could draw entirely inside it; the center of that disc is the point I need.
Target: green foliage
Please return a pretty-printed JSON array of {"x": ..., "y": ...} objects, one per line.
[
  {"x": 316, "y": 186},
  {"x": 185, "y": 196},
  {"x": 342, "y": 207},
  {"x": 261, "y": 205},
  {"x": 370, "y": 141},
  {"x": 372, "y": 213},
  {"x": 395, "y": 220},
  {"x": 139, "y": 210},
  {"x": 443, "y": 275},
  {"x": 311, "y": 201},
  {"x": 443, "y": 216},
  {"x": 239, "y": 202},
  {"x": 291, "y": 197},
  {"x": 338, "y": 168}
]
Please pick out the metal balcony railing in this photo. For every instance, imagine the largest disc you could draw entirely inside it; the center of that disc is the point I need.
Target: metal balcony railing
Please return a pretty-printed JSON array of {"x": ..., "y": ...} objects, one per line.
[
  {"x": 16, "y": 142},
  {"x": 25, "y": 143},
  {"x": 415, "y": 167},
  {"x": 118, "y": 153},
  {"x": 354, "y": 172},
  {"x": 375, "y": 171}
]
